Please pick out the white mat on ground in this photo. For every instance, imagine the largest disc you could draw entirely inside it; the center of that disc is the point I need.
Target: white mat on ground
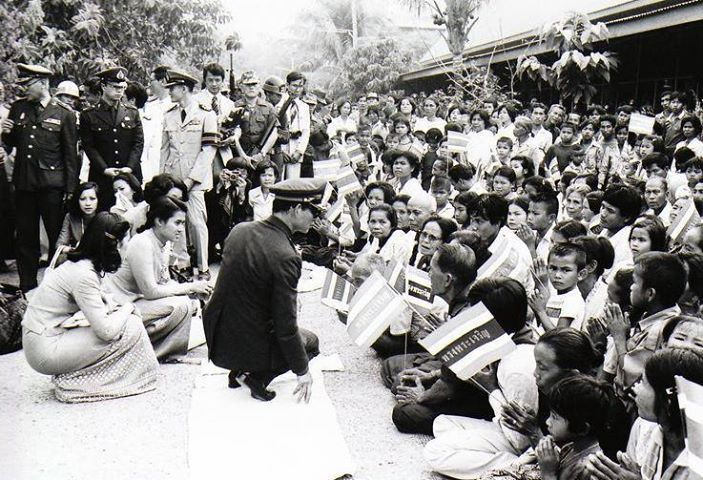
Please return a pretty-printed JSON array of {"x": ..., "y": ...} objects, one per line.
[
  {"x": 312, "y": 277},
  {"x": 231, "y": 435}
]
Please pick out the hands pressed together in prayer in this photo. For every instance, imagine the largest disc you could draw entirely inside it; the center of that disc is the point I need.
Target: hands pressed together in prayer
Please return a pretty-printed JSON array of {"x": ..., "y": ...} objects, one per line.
[{"x": 600, "y": 467}]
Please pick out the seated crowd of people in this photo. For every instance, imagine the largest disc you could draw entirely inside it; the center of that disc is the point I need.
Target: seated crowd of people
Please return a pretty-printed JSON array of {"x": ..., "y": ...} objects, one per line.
[{"x": 602, "y": 295}]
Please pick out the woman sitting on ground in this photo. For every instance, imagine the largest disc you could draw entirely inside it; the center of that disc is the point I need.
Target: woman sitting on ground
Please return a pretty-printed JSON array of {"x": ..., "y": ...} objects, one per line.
[
  {"x": 81, "y": 209},
  {"x": 101, "y": 353},
  {"x": 128, "y": 193},
  {"x": 143, "y": 278}
]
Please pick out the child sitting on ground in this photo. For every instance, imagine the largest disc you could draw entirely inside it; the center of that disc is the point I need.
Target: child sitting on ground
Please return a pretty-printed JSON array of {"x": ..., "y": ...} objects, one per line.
[
  {"x": 585, "y": 418},
  {"x": 658, "y": 281},
  {"x": 566, "y": 267}
]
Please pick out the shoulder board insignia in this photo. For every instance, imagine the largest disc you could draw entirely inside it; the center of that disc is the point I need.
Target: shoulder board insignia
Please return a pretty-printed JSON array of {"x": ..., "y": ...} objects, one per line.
[
  {"x": 172, "y": 107},
  {"x": 207, "y": 108}
]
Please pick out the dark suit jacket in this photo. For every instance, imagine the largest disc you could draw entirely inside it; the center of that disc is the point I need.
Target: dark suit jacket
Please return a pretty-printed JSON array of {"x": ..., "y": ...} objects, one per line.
[
  {"x": 112, "y": 141},
  {"x": 47, "y": 150},
  {"x": 250, "y": 321}
]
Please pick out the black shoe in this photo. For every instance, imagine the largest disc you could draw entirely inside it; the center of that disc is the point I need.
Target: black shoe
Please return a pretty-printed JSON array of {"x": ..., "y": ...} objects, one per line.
[
  {"x": 258, "y": 389},
  {"x": 233, "y": 383}
]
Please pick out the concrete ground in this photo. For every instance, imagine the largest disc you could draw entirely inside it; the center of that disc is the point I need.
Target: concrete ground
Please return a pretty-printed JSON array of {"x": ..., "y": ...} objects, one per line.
[{"x": 145, "y": 437}]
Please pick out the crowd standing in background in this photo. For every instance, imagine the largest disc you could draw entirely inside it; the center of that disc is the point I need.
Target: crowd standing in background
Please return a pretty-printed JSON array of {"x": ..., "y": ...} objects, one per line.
[{"x": 137, "y": 190}]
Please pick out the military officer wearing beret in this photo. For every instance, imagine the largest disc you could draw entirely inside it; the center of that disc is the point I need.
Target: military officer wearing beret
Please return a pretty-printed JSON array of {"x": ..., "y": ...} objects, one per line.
[
  {"x": 188, "y": 147},
  {"x": 46, "y": 165},
  {"x": 111, "y": 136},
  {"x": 251, "y": 320}
]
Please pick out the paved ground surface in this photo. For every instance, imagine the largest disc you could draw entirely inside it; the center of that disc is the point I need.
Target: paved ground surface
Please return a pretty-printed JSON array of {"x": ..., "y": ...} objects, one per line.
[{"x": 145, "y": 437}]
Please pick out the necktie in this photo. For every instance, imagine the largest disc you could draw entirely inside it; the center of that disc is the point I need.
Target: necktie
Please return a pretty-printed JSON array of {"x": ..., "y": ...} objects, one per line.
[
  {"x": 215, "y": 105},
  {"x": 183, "y": 116}
]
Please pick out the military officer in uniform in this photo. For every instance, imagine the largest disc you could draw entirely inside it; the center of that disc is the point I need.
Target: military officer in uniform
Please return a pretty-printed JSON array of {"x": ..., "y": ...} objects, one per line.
[
  {"x": 257, "y": 117},
  {"x": 274, "y": 90},
  {"x": 111, "y": 136},
  {"x": 45, "y": 135},
  {"x": 251, "y": 319},
  {"x": 188, "y": 147}
]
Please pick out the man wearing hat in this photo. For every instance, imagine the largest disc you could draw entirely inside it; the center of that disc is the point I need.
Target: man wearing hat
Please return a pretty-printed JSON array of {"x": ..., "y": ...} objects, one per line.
[
  {"x": 111, "y": 136},
  {"x": 251, "y": 320},
  {"x": 190, "y": 139},
  {"x": 156, "y": 106},
  {"x": 298, "y": 121},
  {"x": 255, "y": 116},
  {"x": 275, "y": 92},
  {"x": 68, "y": 94},
  {"x": 46, "y": 165}
]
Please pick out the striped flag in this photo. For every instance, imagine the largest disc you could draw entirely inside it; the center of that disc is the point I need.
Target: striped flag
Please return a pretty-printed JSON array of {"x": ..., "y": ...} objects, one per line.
[
  {"x": 690, "y": 397},
  {"x": 457, "y": 142},
  {"x": 356, "y": 154},
  {"x": 503, "y": 261},
  {"x": 336, "y": 292},
  {"x": 347, "y": 182},
  {"x": 372, "y": 309},
  {"x": 418, "y": 289},
  {"x": 469, "y": 342},
  {"x": 335, "y": 210},
  {"x": 395, "y": 275},
  {"x": 326, "y": 169},
  {"x": 686, "y": 218}
]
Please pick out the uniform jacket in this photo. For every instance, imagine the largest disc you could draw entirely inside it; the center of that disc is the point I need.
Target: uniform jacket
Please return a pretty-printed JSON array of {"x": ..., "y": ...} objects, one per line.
[
  {"x": 188, "y": 147},
  {"x": 47, "y": 152},
  {"x": 112, "y": 140},
  {"x": 250, "y": 321},
  {"x": 256, "y": 122}
]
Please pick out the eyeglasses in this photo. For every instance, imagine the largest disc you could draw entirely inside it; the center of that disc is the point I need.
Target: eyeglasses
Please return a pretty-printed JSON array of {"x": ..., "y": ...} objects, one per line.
[{"x": 429, "y": 237}]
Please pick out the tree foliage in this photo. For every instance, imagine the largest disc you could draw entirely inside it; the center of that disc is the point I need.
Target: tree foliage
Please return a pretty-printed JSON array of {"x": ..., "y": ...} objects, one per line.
[
  {"x": 76, "y": 38},
  {"x": 579, "y": 66},
  {"x": 458, "y": 17},
  {"x": 375, "y": 67}
]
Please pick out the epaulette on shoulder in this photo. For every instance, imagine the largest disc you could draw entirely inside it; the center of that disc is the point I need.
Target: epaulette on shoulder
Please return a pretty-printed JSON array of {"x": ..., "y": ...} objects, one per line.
[
  {"x": 129, "y": 107},
  {"x": 172, "y": 107},
  {"x": 205, "y": 107}
]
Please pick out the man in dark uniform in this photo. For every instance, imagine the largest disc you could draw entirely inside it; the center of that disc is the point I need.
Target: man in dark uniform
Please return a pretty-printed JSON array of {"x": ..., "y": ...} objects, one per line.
[
  {"x": 274, "y": 90},
  {"x": 254, "y": 115},
  {"x": 251, "y": 320},
  {"x": 112, "y": 136},
  {"x": 46, "y": 166}
]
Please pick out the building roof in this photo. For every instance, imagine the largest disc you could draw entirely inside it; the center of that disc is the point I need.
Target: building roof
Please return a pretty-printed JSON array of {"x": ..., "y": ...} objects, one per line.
[{"x": 507, "y": 29}]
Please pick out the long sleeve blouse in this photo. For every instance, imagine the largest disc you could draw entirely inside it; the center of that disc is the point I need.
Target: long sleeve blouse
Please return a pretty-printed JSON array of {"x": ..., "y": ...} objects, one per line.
[
  {"x": 72, "y": 287},
  {"x": 144, "y": 271}
]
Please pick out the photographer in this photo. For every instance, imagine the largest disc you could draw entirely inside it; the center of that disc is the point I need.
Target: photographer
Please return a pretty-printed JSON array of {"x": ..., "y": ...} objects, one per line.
[{"x": 228, "y": 203}]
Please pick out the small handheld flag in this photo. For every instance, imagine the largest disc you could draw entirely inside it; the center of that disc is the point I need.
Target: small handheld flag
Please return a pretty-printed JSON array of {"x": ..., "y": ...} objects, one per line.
[
  {"x": 336, "y": 292},
  {"x": 418, "y": 289},
  {"x": 686, "y": 218},
  {"x": 347, "y": 182},
  {"x": 690, "y": 397},
  {"x": 457, "y": 142},
  {"x": 469, "y": 342},
  {"x": 372, "y": 309},
  {"x": 326, "y": 169}
]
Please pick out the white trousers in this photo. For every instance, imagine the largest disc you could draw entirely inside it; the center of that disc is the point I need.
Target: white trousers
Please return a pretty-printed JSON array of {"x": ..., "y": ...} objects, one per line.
[
  {"x": 197, "y": 227},
  {"x": 464, "y": 447}
]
